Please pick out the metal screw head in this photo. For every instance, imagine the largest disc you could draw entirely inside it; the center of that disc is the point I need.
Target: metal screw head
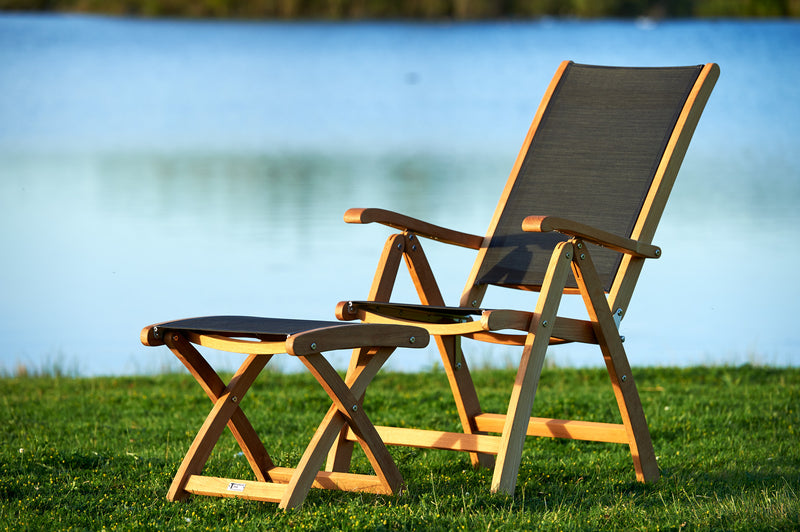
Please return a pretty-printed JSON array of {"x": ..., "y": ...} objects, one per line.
[
  {"x": 568, "y": 255},
  {"x": 413, "y": 247},
  {"x": 174, "y": 337},
  {"x": 458, "y": 365},
  {"x": 580, "y": 245},
  {"x": 399, "y": 246},
  {"x": 313, "y": 346},
  {"x": 583, "y": 256},
  {"x": 412, "y": 340},
  {"x": 658, "y": 252},
  {"x": 354, "y": 408},
  {"x": 624, "y": 378},
  {"x": 474, "y": 302},
  {"x": 235, "y": 399},
  {"x": 544, "y": 323}
]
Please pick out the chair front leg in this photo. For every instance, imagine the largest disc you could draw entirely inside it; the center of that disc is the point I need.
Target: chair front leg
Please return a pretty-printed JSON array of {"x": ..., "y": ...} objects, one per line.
[{"x": 518, "y": 414}]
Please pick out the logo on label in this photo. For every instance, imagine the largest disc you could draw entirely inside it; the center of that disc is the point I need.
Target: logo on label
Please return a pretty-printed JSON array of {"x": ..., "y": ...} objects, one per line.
[{"x": 236, "y": 486}]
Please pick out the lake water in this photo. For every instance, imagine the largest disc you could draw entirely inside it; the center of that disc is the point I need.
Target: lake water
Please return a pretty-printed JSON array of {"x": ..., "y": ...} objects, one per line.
[{"x": 154, "y": 170}]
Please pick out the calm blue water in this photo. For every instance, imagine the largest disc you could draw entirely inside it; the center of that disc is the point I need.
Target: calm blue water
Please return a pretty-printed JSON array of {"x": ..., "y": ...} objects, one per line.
[{"x": 153, "y": 170}]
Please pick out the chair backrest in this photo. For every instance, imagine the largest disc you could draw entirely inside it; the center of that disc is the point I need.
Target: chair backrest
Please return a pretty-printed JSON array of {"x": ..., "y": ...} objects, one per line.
[{"x": 604, "y": 149}]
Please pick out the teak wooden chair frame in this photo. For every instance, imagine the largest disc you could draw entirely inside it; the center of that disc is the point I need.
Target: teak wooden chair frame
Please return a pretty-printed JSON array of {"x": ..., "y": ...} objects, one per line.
[
  {"x": 260, "y": 339},
  {"x": 579, "y": 251}
]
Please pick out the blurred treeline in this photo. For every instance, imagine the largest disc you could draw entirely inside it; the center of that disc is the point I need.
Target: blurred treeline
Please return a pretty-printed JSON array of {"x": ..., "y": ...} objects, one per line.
[{"x": 415, "y": 9}]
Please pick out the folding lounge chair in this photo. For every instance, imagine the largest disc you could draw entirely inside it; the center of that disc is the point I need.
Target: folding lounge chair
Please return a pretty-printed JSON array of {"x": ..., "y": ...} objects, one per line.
[
  {"x": 260, "y": 339},
  {"x": 577, "y": 215}
]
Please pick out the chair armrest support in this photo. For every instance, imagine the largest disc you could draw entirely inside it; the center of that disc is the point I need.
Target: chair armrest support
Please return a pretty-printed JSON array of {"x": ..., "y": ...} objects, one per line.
[
  {"x": 544, "y": 224},
  {"x": 413, "y": 225}
]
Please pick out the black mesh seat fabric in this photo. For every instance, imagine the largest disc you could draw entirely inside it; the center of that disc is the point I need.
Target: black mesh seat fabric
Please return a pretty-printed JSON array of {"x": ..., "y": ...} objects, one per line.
[{"x": 248, "y": 326}]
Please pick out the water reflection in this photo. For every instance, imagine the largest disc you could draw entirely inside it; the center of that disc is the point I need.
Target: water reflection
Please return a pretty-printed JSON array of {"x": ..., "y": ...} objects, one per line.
[
  {"x": 171, "y": 236},
  {"x": 188, "y": 234}
]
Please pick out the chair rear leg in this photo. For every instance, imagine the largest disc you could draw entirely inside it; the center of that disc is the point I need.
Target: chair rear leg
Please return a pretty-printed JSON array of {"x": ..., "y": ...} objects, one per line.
[
  {"x": 619, "y": 370},
  {"x": 455, "y": 366},
  {"x": 632, "y": 412},
  {"x": 341, "y": 453}
]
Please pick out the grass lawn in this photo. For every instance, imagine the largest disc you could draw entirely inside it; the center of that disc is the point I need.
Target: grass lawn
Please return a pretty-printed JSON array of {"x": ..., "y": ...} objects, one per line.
[{"x": 100, "y": 453}]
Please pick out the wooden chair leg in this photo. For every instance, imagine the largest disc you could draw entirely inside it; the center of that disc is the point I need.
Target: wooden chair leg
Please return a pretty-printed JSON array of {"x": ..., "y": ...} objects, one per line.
[
  {"x": 381, "y": 290},
  {"x": 347, "y": 396},
  {"x": 346, "y": 410},
  {"x": 630, "y": 407},
  {"x": 247, "y": 438},
  {"x": 341, "y": 453},
  {"x": 518, "y": 414},
  {"x": 311, "y": 461},
  {"x": 224, "y": 407},
  {"x": 619, "y": 370},
  {"x": 455, "y": 366}
]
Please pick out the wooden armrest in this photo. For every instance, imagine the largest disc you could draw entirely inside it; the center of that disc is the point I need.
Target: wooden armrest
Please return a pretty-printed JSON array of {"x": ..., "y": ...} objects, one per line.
[
  {"x": 413, "y": 225},
  {"x": 544, "y": 224},
  {"x": 354, "y": 310},
  {"x": 348, "y": 336}
]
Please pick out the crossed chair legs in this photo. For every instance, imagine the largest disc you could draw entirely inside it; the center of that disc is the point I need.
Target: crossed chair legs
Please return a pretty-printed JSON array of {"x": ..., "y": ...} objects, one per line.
[{"x": 286, "y": 486}]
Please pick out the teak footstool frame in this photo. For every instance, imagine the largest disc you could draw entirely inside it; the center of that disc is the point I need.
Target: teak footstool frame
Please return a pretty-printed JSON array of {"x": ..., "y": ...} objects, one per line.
[{"x": 260, "y": 339}]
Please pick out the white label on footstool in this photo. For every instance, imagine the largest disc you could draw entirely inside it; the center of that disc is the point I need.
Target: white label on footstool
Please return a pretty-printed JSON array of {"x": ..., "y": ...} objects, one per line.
[{"x": 236, "y": 486}]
